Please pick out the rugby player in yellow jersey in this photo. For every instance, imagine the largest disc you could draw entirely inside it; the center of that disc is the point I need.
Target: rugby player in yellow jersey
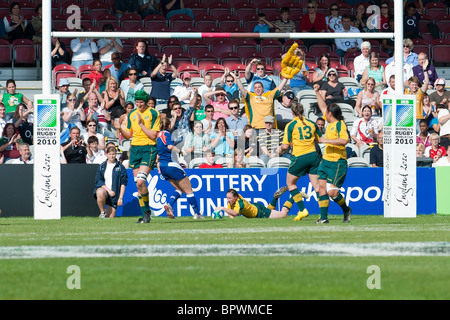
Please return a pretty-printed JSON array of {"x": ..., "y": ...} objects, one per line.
[
  {"x": 303, "y": 134},
  {"x": 333, "y": 167},
  {"x": 237, "y": 205},
  {"x": 142, "y": 127}
]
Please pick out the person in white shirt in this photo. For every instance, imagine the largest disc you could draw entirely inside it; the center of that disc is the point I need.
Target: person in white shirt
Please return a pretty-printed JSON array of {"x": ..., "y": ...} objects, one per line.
[
  {"x": 106, "y": 47},
  {"x": 444, "y": 122},
  {"x": 94, "y": 154},
  {"x": 25, "y": 155},
  {"x": 443, "y": 161},
  {"x": 207, "y": 87},
  {"x": 364, "y": 130},
  {"x": 407, "y": 71},
  {"x": 82, "y": 49},
  {"x": 362, "y": 61},
  {"x": 184, "y": 91},
  {"x": 347, "y": 45}
]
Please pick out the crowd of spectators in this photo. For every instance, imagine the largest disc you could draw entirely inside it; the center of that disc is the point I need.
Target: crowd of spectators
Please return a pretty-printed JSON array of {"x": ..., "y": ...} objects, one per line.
[{"x": 242, "y": 115}]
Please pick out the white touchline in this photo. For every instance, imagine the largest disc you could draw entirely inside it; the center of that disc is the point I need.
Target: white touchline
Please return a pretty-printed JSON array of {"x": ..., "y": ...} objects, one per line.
[{"x": 382, "y": 249}]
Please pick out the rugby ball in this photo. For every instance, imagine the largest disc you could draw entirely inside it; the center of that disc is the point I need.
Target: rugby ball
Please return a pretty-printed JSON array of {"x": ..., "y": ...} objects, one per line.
[{"x": 218, "y": 214}]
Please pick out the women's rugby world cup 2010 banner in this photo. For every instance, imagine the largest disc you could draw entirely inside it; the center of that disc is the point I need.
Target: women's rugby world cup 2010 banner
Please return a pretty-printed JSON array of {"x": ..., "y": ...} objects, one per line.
[{"x": 363, "y": 190}]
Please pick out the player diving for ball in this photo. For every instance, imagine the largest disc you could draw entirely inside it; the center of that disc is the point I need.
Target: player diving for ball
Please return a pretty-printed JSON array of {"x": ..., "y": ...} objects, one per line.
[
  {"x": 303, "y": 134},
  {"x": 142, "y": 127},
  {"x": 173, "y": 172},
  {"x": 237, "y": 205}
]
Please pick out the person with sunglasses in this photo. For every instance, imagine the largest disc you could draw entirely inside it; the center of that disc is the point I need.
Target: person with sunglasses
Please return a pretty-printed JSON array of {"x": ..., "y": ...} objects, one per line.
[
  {"x": 236, "y": 123},
  {"x": 220, "y": 103},
  {"x": 258, "y": 76},
  {"x": 332, "y": 91},
  {"x": 313, "y": 21},
  {"x": 334, "y": 20},
  {"x": 73, "y": 114},
  {"x": 228, "y": 84},
  {"x": 131, "y": 85}
]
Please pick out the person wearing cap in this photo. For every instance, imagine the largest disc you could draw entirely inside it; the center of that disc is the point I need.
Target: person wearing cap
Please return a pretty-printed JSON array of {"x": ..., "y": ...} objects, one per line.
[
  {"x": 142, "y": 128},
  {"x": 283, "y": 110},
  {"x": 418, "y": 70},
  {"x": 269, "y": 140},
  {"x": 260, "y": 103},
  {"x": 220, "y": 103},
  {"x": 63, "y": 87},
  {"x": 332, "y": 91},
  {"x": 184, "y": 91},
  {"x": 440, "y": 95}
]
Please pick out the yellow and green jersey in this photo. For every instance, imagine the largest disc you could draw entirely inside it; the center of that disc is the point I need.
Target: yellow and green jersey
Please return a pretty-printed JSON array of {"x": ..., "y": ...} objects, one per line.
[
  {"x": 302, "y": 133},
  {"x": 244, "y": 208},
  {"x": 335, "y": 130},
  {"x": 150, "y": 118}
]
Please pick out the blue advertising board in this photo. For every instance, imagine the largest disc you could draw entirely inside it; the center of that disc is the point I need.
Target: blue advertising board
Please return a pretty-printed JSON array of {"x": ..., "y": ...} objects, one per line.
[{"x": 363, "y": 190}]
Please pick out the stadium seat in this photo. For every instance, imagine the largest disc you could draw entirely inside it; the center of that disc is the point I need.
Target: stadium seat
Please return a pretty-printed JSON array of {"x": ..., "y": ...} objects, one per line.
[
  {"x": 435, "y": 9},
  {"x": 154, "y": 21},
  {"x": 244, "y": 43},
  {"x": 131, "y": 20},
  {"x": 442, "y": 21},
  {"x": 349, "y": 82},
  {"x": 171, "y": 45},
  {"x": 255, "y": 162},
  {"x": 205, "y": 22},
  {"x": 218, "y": 8},
  {"x": 191, "y": 68},
  {"x": 84, "y": 71},
  {"x": 278, "y": 162},
  {"x": 244, "y": 8},
  {"x": 318, "y": 49},
  {"x": 215, "y": 70},
  {"x": 196, "y": 162},
  {"x": 5, "y": 53},
  {"x": 443, "y": 47},
  {"x": 249, "y": 21},
  {"x": 229, "y": 58},
  {"x": 421, "y": 45},
  {"x": 181, "y": 20},
  {"x": 423, "y": 23},
  {"x": 198, "y": 9},
  {"x": 237, "y": 67},
  {"x": 268, "y": 8},
  {"x": 342, "y": 71},
  {"x": 63, "y": 71},
  {"x": 253, "y": 55},
  {"x": 219, "y": 46},
  {"x": 181, "y": 58},
  {"x": 24, "y": 53},
  {"x": 103, "y": 19},
  {"x": 226, "y": 21},
  {"x": 357, "y": 162},
  {"x": 247, "y": 52},
  {"x": 295, "y": 9}
]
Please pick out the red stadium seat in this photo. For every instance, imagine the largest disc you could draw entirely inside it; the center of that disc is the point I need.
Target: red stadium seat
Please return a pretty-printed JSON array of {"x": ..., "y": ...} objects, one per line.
[
  {"x": 131, "y": 19},
  {"x": 435, "y": 9},
  {"x": 205, "y": 22},
  {"x": 215, "y": 70},
  {"x": 218, "y": 8},
  {"x": 24, "y": 53},
  {"x": 181, "y": 58},
  {"x": 441, "y": 52},
  {"x": 108, "y": 19},
  {"x": 421, "y": 45},
  {"x": 244, "y": 8},
  {"x": 219, "y": 46},
  {"x": 84, "y": 71},
  {"x": 268, "y": 8},
  {"x": 5, "y": 53},
  {"x": 63, "y": 71},
  {"x": 206, "y": 58},
  {"x": 188, "y": 67},
  {"x": 154, "y": 21}
]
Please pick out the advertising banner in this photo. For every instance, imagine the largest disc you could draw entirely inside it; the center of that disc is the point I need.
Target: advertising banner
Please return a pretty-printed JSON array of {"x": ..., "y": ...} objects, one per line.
[{"x": 47, "y": 170}]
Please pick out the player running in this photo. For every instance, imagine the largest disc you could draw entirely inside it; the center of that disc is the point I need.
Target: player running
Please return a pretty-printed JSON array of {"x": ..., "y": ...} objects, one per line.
[
  {"x": 303, "y": 134},
  {"x": 173, "y": 172},
  {"x": 238, "y": 205},
  {"x": 333, "y": 167},
  {"x": 142, "y": 127}
]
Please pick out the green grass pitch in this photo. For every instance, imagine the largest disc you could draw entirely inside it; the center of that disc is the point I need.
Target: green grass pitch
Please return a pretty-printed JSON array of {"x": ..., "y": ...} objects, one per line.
[{"x": 225, "y": 259}]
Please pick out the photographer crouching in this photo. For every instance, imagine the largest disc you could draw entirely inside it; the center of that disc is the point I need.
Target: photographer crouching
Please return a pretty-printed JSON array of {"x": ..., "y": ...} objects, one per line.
[{"x": 74, "y": 150}]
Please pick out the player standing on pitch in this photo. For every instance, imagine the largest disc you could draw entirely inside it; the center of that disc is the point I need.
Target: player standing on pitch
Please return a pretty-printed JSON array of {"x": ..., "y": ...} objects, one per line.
[{"x": 142, "y": 127}]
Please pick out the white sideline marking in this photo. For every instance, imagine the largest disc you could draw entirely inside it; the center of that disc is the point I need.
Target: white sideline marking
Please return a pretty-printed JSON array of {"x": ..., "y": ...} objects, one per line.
[{"x": 386, "y": 249}]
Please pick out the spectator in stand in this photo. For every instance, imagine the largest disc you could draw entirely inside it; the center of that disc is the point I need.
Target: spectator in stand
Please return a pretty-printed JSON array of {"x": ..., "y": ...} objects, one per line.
[
  {"x": 441, "y": 95},
  {"x": 231, "y": 88},
  {"x": 210, "y": 157},
  {"x": 334, "y": 20},
  {"x": 97, "y": 111},
  {"x": 162, "y": 78},
  {"x": 114, "y": 98},
  {"x": 269, "y": 140},
  {"x": 73, "y": 114},
  {"x": 129, "y": 106},
  {"x": 361, "y": 62},
  {"x": 220, "y": 105},
  {"x": 122, "y": 7},
  {"x": 411, "y": 19},
  {"x": 106, "y": 73},
  {"x": 2, "y": 116},
  {"x": 173, "y": 7},
  {"x": 167, "y": 112},
  {"x": 388, "y": 44},
  {"x": 444, "y": 161},
  {"x": 423, "y": 136},
  {"x": 407, "y": 71},
  {"x": 320, "y": 73},
  {"x": 196, "y": 142},
  {"x": 260, "y": 103},
  {"x": 333, "y": 91},
  {"x": 418, "y": 89},
  {"x": 284, "y": 24},
  {"x": 82, "y": 50},
  {"x": 420, "y": 150},
  {"x": 131, "y": 85},
  {"x": 443, "y": 119},
  {"x": 92, "y": 132},
  {"x": 59, "y": 53},
  {"x": 74, "y": 150},
  {"x": 347, "y": 45},
  {"x": 25, "y": 155},
  {"x": 142, "y": 60},
  {"x": 96, "y": 75},
  {"x": 408, "y": 55},
  {"x": 374, "y": 70},
  {"x": 16, "y": 26},
  {"x": 313, "y": 21},
  {"x": 222, "y": 140},
  {"x": 259, "y": 76},
  {"x": 179, "y": 123},
  {"x": 263, "y": 26},
  {"x": 235, "y": 121},
  {"x": 249, "y": 142},
  {"x": 88, "y": 88},
  {"x": 283, "y": 111},
  {"x": 376, "y": 152},
  {"x": 184, "y": 91},
  {"x": 429, "y": 112},
  {"x": 436, "y": 150},
  {"x": 36, "y": 22},
  {"x": 434, "y": 125},
  {"x": 207, "y": 86},
  {"x": 11, "y": 99},
  {"x": 199, "y": 111},
  {"x": 94, "y": 154},
  {"x": 9, "y": 142},
  {"x": 359, "y": 19},
  {"x": 106, "y": 47},
  {"x": 385, "y": 14},
  {"x": 238, "y": 159},
  {"x": 23, "y": 121},
  {"x": 368, "y": 97},
  {"x": 321, "y": 124},
  {"x": 418, "y": 70},
  {"x": 148, "y": 7},
  {"x": 365, "y": 129},
  {"x": 63, "y": 87},
  {"x": 209, "y": 123},
  {"x": 118, "y": 68}
]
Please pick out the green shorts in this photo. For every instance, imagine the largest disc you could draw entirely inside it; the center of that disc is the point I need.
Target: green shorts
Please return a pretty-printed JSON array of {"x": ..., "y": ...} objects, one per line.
[
  {"x": 143, "y": 156},
  {"x": 304, "y": 164},
  {"x": 333, "y": 171},
  {"x": 263, "y": 212}
]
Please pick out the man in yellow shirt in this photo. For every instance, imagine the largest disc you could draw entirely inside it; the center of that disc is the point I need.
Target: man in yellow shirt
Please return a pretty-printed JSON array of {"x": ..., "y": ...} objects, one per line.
[{"x": 142, "y": 127}]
